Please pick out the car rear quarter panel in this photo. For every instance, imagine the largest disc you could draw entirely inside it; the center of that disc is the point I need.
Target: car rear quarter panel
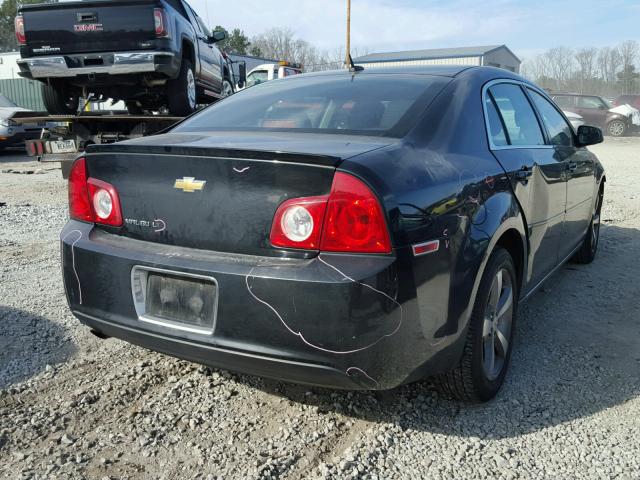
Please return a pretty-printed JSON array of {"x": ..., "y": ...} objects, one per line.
[{"x": 444, "y": 184}]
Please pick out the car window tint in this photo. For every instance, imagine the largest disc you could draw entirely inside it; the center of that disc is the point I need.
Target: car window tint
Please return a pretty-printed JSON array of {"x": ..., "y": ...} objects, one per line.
[
  {"x": 367, "y": 104},
  {"x": 517, "y": 115},
  {"x": 496, "y": 131},
  {"x": 559, "y": 131},
  {"x": 590, "y": 102}
]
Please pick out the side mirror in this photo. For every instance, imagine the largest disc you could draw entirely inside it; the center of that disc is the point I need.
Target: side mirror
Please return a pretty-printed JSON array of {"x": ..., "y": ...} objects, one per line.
[
  {"x": 217, "y": 36},
  {"x": 588, "y": 135},
  {"x": 242, "y": 74}
]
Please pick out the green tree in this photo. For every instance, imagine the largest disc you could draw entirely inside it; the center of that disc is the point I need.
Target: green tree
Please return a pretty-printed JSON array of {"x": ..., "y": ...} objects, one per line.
[
  {"x": 237, "y": 42},
  {"x": 8, "y": 11}
]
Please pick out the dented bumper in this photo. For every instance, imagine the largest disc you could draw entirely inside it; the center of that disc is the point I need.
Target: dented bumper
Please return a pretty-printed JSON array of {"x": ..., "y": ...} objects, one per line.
[{"x": 333, "y": 320}]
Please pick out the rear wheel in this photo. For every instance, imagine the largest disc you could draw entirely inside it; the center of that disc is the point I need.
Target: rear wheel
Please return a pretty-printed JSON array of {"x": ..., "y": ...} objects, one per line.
[
  {"x": 182, "y": 91},
  {"x": 58, "y": 102},
  {"x": 616, "y": 128},
  {"x": 227, "y": 88},
  {"x": 134, "y": 108},
  {"x": 483, "y": 366},
  {"x": 589, "y": 248}
]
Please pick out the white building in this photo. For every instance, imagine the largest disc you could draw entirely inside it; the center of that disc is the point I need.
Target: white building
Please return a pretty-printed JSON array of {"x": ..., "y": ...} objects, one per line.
[
  {"x": 491, "y": 56},
  {"x": 8, "y": 66}
]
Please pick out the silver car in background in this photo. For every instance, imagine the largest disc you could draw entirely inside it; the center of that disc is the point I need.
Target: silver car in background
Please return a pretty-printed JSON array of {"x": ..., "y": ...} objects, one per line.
[{"x": 13, "y": 134}]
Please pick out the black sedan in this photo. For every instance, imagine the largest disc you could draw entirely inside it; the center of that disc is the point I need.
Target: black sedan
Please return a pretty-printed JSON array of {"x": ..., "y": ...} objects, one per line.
[{"x": 355, "y": 230}]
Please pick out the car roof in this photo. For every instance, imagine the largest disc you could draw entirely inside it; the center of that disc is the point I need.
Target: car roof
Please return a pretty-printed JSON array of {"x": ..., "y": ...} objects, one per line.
[{"x": 436, "y": 70}]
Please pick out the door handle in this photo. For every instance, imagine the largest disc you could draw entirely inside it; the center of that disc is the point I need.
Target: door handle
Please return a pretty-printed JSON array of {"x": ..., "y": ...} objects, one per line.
[
  {"x": 523, "y": 174},
  {"x": 572, "y": 166}
]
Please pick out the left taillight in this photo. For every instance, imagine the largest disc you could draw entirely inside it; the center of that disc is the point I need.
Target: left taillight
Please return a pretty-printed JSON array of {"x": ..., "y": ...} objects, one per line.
[
  {"x": 19, "y": 26},
  {"x": 349, "y": 219},
  {"x": 92, "y": 200},
  {"x": 160, "y": 21}
]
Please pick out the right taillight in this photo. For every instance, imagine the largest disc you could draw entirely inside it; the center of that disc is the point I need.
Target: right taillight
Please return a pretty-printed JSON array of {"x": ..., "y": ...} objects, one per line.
[
  {"x": 19, "y": 26},
  {"x": 160, "y": 20},
  {"x": 349, "y": 219},
  {"x": 92, "y": 200}
]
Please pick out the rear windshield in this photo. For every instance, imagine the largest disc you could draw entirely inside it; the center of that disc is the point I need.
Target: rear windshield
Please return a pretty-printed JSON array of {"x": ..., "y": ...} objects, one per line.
[{"x": 361, "y": 104}]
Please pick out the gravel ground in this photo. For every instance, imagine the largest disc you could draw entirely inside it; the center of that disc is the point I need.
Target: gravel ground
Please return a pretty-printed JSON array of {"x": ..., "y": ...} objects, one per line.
[{"x": 73, "y": 406}]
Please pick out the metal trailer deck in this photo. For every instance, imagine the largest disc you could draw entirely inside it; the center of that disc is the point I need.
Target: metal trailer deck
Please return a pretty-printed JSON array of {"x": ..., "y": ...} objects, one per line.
[{"x": 68, "y": 135}]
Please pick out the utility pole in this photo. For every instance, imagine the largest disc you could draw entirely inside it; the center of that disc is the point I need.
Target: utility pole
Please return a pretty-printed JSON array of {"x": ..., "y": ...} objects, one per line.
[{"x": 347, "y": 59}]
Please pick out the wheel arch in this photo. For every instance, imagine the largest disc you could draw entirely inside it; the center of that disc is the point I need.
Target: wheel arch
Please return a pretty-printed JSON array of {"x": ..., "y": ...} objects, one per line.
[{"x": 187, "y": 50}]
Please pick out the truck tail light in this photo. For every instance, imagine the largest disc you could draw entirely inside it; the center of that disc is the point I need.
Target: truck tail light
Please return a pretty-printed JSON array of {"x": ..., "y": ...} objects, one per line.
[
  {"x": 92, "y": 200},
  {"x": 19, "y": 26},
  {"x": 160, "y": 20},
  {"x": 349, "y": 219}
]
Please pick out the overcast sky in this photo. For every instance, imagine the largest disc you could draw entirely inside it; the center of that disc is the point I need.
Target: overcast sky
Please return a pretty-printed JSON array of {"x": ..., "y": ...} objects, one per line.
[{"x": 528, "y": 27}]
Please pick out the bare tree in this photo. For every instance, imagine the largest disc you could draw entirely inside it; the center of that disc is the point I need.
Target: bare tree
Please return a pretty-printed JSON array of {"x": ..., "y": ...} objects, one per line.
[
  {"x": 560, "y": 62},
  {"x": 629, "y": 52},
  {"x": 586, "y": 59},
  {"x": 281, "y": 44},
  {"x": 609, "y": 62}
]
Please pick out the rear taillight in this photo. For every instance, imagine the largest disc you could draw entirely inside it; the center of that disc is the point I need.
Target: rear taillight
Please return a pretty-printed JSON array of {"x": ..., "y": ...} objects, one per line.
[
  {"x": 160, "y": 20},
  {"x": 92, "y": 200},
  {"x": 19, "y": 25},
  {"x": 298, "y": 223},
  {"x": 349, "y": 219},
  {"x": 105, "y": 203},
  {"x": 79, "y": 206}
]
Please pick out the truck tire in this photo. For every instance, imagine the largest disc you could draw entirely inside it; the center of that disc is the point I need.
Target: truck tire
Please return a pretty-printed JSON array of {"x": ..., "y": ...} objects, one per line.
[
  {"x": 133, "y": 108},
  {"x": 227, "y": 88},
  {"x": 182, "y": 91},
  {"x": 57, "y": 102}
]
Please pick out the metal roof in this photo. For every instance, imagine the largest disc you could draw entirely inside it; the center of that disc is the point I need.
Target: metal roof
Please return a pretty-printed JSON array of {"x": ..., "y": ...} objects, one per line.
[{"x": 431, "y": 54}]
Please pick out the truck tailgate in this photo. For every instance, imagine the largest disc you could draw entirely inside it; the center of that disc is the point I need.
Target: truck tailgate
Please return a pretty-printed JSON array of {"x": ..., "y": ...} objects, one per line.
[{"x": 92, "y": 26}]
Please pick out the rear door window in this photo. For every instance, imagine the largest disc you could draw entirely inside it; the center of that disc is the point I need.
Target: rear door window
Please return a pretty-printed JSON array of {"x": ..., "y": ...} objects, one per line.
[
  {"x": 564, "y": 101},
  {"x": 496, "y": 129},
  {"x": 559, "y": 131},
  {"x": 517, "y": 115},
  {"x": 591, "y": 103}
]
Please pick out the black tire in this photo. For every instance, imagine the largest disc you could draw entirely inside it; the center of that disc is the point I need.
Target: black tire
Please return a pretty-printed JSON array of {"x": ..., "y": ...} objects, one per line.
[
  {"x": 469, "y": 380},
  {"x": 133, "y": 108},
  {"x": 617, "y": 128},
  {"x": 589, "y": 248},
  {"x": 227, "y": 88},
  {"x": 182, "y": 91},
  {"x": 58, "y": 102}
]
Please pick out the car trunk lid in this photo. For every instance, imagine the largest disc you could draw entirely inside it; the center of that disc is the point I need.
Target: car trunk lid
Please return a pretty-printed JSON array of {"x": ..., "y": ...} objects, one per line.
[{"x": 215, "y": 192}]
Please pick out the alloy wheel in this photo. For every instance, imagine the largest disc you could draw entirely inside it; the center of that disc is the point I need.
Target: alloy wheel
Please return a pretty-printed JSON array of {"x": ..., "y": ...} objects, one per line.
[
  {"x": 226, "y": 89},
  {"x": 595, "y": 226},
  {"x": 616, "y": 128},
  {"x": 498, "y": 320},
  {"x": 191, "y": 89}
]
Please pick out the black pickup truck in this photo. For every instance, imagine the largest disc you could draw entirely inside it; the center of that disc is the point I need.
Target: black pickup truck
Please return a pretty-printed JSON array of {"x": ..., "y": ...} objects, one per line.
[{"x": 150, "y": 53}]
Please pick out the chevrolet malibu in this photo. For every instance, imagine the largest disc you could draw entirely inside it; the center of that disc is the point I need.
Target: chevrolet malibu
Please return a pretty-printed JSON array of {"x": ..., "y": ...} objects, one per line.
[{"x": 351, "y": 229}]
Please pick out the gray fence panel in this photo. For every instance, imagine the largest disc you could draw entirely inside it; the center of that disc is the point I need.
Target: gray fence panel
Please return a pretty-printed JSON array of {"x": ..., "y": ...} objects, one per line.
[{"x": 25, "y": 93}]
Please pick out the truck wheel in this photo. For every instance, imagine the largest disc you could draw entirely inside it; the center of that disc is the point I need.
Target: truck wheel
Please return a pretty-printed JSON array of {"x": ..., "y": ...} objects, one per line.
[
  {"x": 133, "y": 108},
  {"x": 616, "y": 128},
  {"x": 227, "y": 88},
  {"x": 57, "y": 102},
  {"x": 182, "y": 91}
]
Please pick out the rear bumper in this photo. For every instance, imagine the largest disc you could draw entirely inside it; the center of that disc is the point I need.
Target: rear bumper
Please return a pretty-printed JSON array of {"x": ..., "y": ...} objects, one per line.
[
  {"x": 119, "y": 63},
  {"x": 340, "y": 321}
]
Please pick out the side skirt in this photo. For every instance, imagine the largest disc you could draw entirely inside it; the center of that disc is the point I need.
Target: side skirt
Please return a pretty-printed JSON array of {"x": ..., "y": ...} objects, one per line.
[{"x": 546, "y": 277}]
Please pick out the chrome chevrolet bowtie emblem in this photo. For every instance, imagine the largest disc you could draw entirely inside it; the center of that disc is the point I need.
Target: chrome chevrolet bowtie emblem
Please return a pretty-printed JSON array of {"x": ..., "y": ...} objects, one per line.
[{"x": 189, "y": 184}]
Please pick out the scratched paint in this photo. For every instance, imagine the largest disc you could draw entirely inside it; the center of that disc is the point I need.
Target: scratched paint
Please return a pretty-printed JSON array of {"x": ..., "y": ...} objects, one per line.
[{"x": 301, "y": 335}]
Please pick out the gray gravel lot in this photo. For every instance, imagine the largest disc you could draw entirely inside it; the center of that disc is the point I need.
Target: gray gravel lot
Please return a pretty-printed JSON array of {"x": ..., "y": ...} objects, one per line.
[{"x": 73, "y": 406}]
